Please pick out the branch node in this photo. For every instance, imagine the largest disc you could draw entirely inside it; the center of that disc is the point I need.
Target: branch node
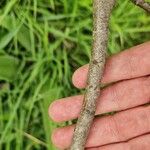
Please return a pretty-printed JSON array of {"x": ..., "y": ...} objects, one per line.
[{"x": 144, "y": 5}]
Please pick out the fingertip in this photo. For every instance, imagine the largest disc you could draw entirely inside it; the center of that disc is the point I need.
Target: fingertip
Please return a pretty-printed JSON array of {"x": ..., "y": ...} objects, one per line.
[
  {"x": 55, "y": 139},
  {"x": 80, "y": 76},
  {"x": 66, "y": 108},
  {"x": 52, "y": 111},
  {"x": 76, "y": 79},
  {"x": 61, "y": 137}
]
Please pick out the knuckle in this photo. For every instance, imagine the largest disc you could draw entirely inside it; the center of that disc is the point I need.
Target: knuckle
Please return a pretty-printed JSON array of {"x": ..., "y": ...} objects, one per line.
[
  {"x": 131, "y": 64},
  {"x": 115, "y": 129},
  {"x": 115, "y": 95},
  {"x": 145, "y": 85},
  {"x": 147, "y": 81}
]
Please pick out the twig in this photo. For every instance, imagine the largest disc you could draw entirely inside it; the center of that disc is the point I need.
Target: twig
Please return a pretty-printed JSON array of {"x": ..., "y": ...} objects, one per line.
[
  {"x": 141, "y": 3},
  {"x": 101, "y": 12}
]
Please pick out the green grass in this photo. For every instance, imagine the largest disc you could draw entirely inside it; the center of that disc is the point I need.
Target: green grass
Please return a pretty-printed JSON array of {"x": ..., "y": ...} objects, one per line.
[{"x": 41, "y": 43}]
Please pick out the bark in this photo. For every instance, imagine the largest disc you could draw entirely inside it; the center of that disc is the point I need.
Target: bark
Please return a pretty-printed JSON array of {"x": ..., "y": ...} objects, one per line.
[
  {"x": 141, "y": 3},
  {"x": 101, "y": 13}
]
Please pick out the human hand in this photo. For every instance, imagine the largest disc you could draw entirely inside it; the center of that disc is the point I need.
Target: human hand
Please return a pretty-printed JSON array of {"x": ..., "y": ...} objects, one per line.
[{"x": 129, "y": 128}]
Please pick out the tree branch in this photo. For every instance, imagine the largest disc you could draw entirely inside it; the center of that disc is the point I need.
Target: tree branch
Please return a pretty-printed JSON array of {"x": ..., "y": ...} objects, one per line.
[
  {"x": 141, "y": 3},
  {"x": 101, "y": 12}
]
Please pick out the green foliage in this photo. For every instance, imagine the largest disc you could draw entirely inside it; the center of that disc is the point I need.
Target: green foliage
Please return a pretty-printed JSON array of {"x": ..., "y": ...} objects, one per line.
[
  {"x": 8, "y": 68},
  {"x": 41, "y": 43}
]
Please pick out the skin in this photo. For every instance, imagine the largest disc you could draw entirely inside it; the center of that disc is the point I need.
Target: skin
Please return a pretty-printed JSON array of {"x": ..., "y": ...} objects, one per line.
[{"x": 129, "y": 128}]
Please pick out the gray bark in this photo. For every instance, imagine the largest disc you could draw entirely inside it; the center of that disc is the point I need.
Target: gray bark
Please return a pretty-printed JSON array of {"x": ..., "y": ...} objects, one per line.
[
  {"x": 141, "y": 3},
  {"x": 101, "y": 13}
]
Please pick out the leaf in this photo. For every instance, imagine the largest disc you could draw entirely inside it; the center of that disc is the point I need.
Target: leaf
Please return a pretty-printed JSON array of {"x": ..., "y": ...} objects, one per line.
[
  {"x": 48, "y": 96},
  {"x": 8, "y": 67},
  {"x": 8, "y": 37},
  {"x": 23, "y": 35},
  {"x": 24, "y": 38}
]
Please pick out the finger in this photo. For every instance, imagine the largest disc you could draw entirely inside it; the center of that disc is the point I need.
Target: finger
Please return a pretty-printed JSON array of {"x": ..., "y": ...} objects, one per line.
[
  {"x": 131, "y": 63},
  {"x": 120, "y": 96},
  {"x": 139, "y": 143},
  {"x": 120, "y": 127}
]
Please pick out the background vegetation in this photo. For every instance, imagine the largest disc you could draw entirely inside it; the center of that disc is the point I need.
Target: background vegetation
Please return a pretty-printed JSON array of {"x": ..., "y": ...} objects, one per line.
[{"x": 41, "y": 43}]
